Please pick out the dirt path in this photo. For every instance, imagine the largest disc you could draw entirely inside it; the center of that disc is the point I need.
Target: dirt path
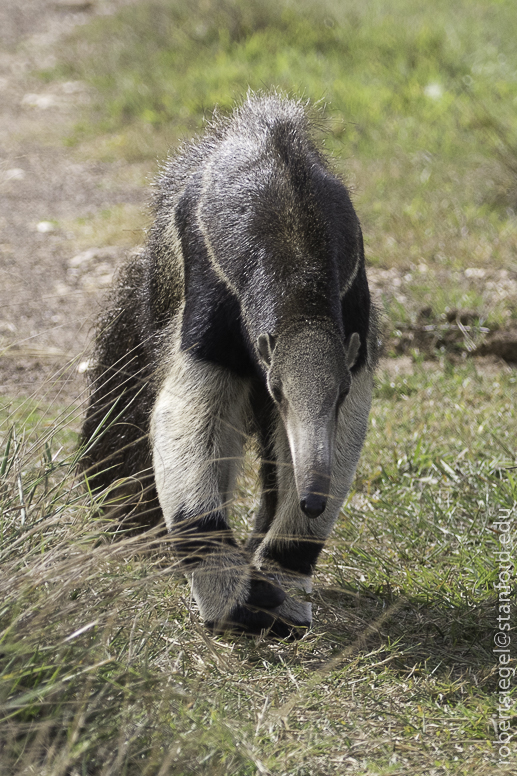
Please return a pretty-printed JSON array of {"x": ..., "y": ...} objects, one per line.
[{"x": 46, "y": 307}]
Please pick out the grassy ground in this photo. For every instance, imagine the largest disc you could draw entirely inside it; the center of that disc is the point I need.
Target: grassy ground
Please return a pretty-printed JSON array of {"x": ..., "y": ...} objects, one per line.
[{"x": 104, "y": 666}]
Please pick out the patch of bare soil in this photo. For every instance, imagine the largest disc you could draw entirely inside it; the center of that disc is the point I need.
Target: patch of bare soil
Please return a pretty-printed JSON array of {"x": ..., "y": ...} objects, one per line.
[
  {"x": 49, "y": 292},
  {"x": 457, "y": 333}
]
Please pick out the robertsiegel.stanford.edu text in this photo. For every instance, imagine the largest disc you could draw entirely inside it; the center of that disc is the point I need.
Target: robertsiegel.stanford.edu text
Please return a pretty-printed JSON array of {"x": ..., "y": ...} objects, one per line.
[{"x": 502, "y": 636}]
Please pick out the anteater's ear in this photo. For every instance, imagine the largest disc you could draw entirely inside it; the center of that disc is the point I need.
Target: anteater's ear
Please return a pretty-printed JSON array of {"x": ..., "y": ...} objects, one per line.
[
  {"x": 352, "y": 345},
  {"x": 265, "y": 347}
]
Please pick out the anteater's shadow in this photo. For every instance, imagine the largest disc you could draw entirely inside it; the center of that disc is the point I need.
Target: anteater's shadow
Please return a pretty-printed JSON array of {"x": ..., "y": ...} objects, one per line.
[{"x": 431, "y": 637}]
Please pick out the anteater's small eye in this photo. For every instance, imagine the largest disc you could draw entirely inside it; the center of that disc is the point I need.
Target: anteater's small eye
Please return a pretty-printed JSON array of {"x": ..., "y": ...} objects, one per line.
[{"x": 277, "y": 394}]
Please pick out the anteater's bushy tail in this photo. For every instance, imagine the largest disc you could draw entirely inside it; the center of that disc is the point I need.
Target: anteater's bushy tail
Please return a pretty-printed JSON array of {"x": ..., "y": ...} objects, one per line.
[{"x": 115, "y": 434}]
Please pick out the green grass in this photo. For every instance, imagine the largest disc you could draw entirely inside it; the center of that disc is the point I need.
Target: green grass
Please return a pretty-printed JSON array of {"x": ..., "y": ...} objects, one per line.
[
  {"x": 106, "y": 669},
  {"x": 394, "y": 76}
]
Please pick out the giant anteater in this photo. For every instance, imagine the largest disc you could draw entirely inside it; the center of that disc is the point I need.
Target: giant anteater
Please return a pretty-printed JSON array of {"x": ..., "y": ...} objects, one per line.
[{"x": 248, "y": 313}]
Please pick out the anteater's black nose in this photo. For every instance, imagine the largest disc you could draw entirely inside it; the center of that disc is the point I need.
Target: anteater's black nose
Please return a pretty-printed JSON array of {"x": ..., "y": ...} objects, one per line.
[{"x": 313, "y": 504}]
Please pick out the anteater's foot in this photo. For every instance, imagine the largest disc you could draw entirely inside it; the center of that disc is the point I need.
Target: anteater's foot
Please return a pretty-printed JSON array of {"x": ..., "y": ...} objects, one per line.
[
  {"x": 256, "y": 613},
  {"x": 235, "y": 597},
  {"x": 267, "y": 611}
]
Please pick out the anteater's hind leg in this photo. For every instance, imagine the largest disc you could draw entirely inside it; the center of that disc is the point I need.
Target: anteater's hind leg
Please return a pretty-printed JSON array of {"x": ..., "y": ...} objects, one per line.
[{"x": 198, "y": 431}]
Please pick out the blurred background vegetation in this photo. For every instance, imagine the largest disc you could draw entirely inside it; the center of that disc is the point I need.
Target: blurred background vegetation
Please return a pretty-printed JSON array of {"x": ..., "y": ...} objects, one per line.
[{"x": 420, "y": 106}]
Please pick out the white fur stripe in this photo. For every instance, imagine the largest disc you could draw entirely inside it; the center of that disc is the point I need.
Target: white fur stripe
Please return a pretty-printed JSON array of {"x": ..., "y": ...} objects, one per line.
[{"x": 198, "y": 433}]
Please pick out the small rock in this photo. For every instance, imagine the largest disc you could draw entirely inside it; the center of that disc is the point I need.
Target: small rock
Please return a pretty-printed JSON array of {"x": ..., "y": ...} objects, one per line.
[
  {"x": 45, "y": 226},
  {"x": 73, "y": 87},
  {"x": 82, "y": 259},
  {"x": 94, "y": 281},
  {"x": 41, "y": 101},
  {"x": 475, "y": 272},
  {"x": 15, "y": 174},
  {"x": 434, "y": 91},
  {"x": 105, "y": 279},
  {"x": 62, "y": 289}
]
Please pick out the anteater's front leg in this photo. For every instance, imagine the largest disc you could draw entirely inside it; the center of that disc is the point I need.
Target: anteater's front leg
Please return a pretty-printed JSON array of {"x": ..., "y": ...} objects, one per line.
[
  {"x": 198, "y": 431},
  {"x": 288, "y": 545}
]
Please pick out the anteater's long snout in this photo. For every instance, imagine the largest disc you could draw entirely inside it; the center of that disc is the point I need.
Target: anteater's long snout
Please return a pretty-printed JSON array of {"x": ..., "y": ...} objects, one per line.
[{"x": 312, "y": 453}]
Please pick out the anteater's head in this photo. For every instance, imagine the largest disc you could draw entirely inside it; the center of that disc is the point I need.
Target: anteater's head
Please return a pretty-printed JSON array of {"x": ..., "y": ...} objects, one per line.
[{"x": 308, "y": 376}]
